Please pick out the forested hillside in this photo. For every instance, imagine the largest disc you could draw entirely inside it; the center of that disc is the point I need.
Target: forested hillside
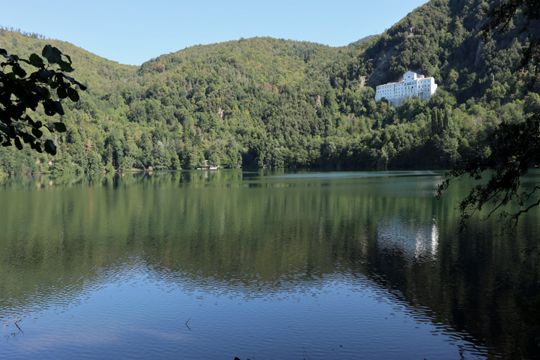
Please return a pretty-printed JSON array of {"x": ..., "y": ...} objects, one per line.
[
  {"x": 98, "y": 112},
  {"x": 265, "y": 102}
]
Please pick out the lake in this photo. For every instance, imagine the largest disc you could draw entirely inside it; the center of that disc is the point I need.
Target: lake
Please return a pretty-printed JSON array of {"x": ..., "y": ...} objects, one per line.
[{"x": 198, "y": 265}]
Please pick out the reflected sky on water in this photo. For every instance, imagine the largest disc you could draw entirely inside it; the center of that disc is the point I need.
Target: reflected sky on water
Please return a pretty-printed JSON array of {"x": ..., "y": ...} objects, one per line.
[{"x": 261, "y": 266}]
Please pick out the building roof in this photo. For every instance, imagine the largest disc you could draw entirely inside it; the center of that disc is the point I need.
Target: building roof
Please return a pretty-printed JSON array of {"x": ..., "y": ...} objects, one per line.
[{"x": 419, "y": 77}]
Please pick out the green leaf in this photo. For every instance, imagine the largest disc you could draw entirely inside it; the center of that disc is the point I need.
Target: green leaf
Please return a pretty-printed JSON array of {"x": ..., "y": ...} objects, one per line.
[
  {"x": 27, "y": 138},
  {"x": 44, "y": 75},
  {"x": 30, "y": 120},
  {"x": 81, "y": 86},
  {"x": 43, "y": 92},
  {"x": 53, "y": 83},
  {"x": 60, "y": 127},
  {"x": 18, "y": 143},
  {"x": 65, "y": 66},
  {"x": 59, "y": 108},
  {"x": 50, "y": 148},
  {"x": 36, "y": 60},
  {"x": 37, "y": 133},
  {"x": 73, "y": 95},
  {"x": 52, "y": 54},
  {"x": 18, "y": 70},
  {"x": 62, "y": 93},
  {"x": 10, "y": 131},
  {"x": 49, "y": 107}
]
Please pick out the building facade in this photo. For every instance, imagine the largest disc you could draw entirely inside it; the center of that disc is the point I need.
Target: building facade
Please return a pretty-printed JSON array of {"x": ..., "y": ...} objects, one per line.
[{"x": 412, "y": 85}]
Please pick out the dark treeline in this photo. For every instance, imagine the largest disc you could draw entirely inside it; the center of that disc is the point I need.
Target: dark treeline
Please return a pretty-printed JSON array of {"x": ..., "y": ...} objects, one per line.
[{"x": 274, "y": 103}]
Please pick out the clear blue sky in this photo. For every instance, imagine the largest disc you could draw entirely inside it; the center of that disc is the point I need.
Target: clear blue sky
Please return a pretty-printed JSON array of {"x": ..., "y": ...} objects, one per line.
[{"x": 133, "y": 31}]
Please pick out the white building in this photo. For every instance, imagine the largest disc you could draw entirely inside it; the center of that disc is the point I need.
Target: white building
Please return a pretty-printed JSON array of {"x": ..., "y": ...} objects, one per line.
[{"x": 412, "y": 85}]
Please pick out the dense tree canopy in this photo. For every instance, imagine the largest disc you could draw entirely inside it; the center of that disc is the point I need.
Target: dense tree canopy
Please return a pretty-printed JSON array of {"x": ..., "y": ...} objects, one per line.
[
  {"x": 275, "y": 103},
  {"x": 513, "y": 147}
]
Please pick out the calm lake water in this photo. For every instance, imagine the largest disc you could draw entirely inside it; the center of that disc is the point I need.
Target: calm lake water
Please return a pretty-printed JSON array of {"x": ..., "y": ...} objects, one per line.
[{"x": 284, "y": 266}]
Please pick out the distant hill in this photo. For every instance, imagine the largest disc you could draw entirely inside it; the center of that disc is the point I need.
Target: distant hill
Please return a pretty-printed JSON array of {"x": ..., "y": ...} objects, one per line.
[
  {"x": 266, "y": 102},
  {"x": 442, "y": 39},
  {"x": 365, "y": 41},
  {"x": 94, "y": 70}
]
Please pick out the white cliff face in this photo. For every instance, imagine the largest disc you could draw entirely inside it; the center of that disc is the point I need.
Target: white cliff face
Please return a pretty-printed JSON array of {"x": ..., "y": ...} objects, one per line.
[{"x": 412, "y": 85}]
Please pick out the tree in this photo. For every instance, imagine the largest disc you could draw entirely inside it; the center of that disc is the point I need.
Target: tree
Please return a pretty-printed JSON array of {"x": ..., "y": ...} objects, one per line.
[
  {"x": 20, "y": 92},
  {"x": 512, "y": 148}
]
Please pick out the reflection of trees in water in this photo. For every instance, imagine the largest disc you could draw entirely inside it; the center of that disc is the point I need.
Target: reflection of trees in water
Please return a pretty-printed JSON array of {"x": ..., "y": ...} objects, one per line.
[
  {"x": 266, "y": 234},
  {"x": 484, "y": 281}
]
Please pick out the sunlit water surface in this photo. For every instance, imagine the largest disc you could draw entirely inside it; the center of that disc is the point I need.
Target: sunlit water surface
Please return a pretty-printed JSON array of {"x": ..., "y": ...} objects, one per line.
[{"x": 280, "y": 266}]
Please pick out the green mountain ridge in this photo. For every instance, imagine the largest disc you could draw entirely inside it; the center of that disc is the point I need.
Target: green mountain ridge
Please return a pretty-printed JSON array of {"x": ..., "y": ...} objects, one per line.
[
  {"x": 94, "y": 70},
  {"x": 264, "y": 102}
]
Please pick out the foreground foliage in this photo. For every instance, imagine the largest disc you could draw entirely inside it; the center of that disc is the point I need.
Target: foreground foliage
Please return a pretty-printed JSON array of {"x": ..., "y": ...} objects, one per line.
[{"x": 20, "y": 92}]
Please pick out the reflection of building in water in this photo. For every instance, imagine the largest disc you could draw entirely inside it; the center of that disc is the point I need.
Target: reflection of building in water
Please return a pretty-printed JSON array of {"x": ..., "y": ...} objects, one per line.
[{"x": 413, "y": 239}]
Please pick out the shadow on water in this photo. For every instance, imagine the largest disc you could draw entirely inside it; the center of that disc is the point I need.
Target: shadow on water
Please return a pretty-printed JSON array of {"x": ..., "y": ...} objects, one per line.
[{"x": 255, "y": 235}]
